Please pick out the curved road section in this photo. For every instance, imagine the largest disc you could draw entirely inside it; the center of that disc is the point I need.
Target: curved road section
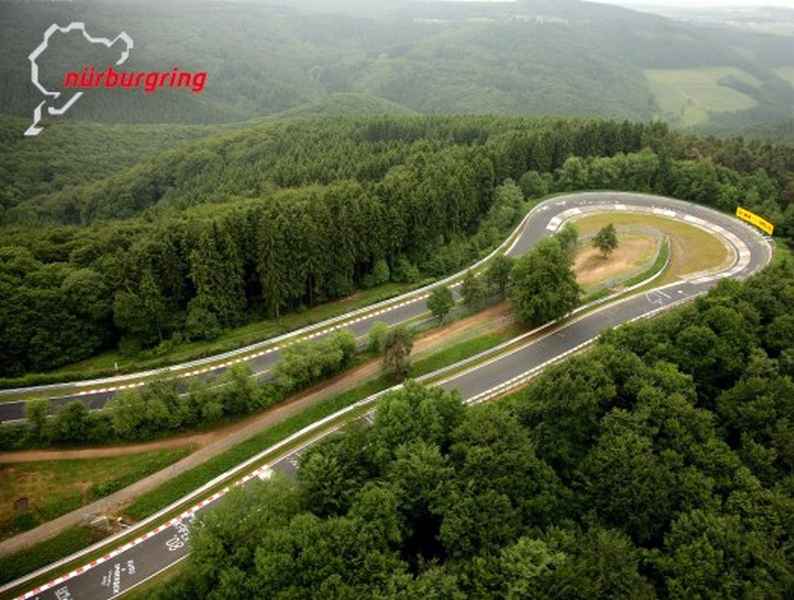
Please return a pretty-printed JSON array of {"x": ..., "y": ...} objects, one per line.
[
  {"x": 158, "y": 549},
  {"x": 542, "y": 220}
]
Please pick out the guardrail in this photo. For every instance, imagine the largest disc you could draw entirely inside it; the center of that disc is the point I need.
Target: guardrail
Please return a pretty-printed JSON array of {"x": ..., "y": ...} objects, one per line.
[
  {"x": 334, "y": 322},
  {"x": 316, "y": 427}
]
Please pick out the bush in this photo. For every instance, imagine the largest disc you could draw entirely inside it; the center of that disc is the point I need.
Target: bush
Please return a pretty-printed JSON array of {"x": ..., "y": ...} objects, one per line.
[
  {"x": 36, "y": 411},
  {"x": 441, "y": 302},
  {"x": 405, "y": 271},
  {"x": 498, "y": 274},
  {"x": 303, "y": 364},
  {"x": 201, "y": 324},
  {"x": 381, "y": 273},
  {"x": 159, "y": 408},
  {"x": 376, "y": 337},
  {"x": 15, "y": 436},
  {"x": 71, "y": 423}
]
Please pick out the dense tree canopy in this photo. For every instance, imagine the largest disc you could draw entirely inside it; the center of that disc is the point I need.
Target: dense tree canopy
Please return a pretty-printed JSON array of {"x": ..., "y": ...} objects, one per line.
[
  {"x": 628, "y": 472},
  {"x": 543, "y": 285},
  {"x": 277, "y": 217}
]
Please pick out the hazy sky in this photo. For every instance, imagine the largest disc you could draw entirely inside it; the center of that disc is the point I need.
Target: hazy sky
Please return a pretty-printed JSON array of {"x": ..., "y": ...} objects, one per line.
[{"x": 701, "y": 3}]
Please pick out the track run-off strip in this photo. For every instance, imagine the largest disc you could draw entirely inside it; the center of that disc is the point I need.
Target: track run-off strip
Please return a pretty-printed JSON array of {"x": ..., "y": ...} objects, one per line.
[{"x": 167, "y": 543}]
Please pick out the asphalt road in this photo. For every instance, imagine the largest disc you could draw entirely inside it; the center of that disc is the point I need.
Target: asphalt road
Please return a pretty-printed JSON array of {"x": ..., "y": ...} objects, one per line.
[
  {"x": 96, "y": 394},
  {"x": 157, "y": 550}
]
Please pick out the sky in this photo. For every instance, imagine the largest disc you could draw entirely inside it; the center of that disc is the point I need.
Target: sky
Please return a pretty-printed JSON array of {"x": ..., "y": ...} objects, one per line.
[{"x": 701, "y": 3}]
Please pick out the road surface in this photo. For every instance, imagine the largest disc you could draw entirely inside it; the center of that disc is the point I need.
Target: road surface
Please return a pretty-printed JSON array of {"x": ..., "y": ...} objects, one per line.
[{"x": 157, "y": 550}]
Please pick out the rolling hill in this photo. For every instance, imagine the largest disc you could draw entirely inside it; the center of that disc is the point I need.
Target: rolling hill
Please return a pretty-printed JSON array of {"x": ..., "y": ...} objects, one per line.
[{"x": 527, "y": 57}]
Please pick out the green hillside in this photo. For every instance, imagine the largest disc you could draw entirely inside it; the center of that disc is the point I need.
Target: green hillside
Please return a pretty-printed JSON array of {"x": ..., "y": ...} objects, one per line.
[
  {"x": 348, "y": 105},
  {"x": 76, "y": 153},
  {"x": 526, "y": 57},
  {"x": 72, "y": 153},
  {"x": 287, "y": 214}
]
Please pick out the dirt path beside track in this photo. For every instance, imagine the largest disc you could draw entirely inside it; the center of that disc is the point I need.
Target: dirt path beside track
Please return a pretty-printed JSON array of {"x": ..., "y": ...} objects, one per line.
[
  {"x": 218, "y": 441},
  {"x": 495, "y": 317}
]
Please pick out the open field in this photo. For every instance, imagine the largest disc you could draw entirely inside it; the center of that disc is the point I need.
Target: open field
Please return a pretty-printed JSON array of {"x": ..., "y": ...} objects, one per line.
[
  {"x": 54, "y": 488},
  {"x": 693, "y": 250},
  {"x": 687, "y": 96}
]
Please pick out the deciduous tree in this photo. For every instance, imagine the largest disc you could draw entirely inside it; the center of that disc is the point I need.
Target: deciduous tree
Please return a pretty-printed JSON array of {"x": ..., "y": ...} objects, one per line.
[
  {"x": 543, "y": 286},
  {"x": 441, "y": 302},
  {"x": 606, "y": 240},
  {"x": 397, "y": 352}
]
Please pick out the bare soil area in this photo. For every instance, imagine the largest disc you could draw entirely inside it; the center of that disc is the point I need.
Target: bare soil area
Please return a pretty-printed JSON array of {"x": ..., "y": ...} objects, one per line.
[
  {"x": 634, "y": 251},
  {"x": 495, "y": 317}
]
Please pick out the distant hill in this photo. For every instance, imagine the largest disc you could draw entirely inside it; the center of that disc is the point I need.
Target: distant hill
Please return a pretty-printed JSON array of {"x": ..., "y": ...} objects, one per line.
[
  {"x": 74, "y": 153},
  {"x": 348, "y": 105},
  {"x": 562, "y": 57}
]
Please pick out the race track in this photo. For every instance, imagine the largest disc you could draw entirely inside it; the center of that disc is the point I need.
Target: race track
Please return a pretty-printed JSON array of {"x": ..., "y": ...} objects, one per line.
[{"x": 156, "y": 550}]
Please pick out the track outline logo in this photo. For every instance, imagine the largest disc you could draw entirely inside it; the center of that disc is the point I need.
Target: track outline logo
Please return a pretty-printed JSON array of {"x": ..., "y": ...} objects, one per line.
[{"x": 34, "y": 128}]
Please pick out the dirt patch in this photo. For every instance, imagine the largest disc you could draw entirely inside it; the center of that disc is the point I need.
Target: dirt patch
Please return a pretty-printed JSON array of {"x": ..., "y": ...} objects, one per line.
[
  {"x": 633, "y": 253},
  {"x": 494, "y": 317},
  {"x": 692, "y": 250}
]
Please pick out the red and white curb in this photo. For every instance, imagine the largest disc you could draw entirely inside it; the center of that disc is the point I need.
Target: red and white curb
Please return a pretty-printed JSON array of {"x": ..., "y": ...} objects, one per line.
[
  {"x": 289, "y": 339},
  {"x": 265, "y": 472}
]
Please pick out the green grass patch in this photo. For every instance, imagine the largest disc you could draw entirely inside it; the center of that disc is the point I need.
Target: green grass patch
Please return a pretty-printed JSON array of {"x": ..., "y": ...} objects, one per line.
[
  {"x": 67, "y": 542},
  {"x": 658, "y": 265},
  {"x": 76, "y": 539},
  {"x": 461, "y": 351},
  {"x": 692, "y": 249},
  {"x": 688, "y": 96},
  {"x": 596, "y": 296},
  {"x": 54, "y": 488}
]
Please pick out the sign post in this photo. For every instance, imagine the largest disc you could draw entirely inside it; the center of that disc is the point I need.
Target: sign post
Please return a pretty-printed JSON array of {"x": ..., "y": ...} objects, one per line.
[{"x": 754, "y": 219}]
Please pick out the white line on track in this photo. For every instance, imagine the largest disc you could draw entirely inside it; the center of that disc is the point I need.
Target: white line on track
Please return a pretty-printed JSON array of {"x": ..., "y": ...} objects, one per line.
[{"x": 743, "y": 259}]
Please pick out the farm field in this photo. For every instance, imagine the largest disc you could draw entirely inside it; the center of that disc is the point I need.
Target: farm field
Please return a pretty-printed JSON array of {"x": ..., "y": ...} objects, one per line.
[{"x": 688, "y": 96}]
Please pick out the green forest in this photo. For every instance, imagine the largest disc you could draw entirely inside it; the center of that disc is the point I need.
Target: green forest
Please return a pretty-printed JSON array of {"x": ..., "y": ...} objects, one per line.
[
  {"x": 240, "y": 225},
  {"x": 562, "y": 57},
  {"x": 659, "y": 464}
]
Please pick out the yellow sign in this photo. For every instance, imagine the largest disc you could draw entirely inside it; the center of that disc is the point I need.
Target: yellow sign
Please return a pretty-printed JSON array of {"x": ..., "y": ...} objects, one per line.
[{"x": 754, "y": 219}]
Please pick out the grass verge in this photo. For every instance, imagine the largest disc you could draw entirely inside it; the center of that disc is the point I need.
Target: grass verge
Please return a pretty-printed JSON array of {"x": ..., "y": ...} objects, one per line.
[
  {"x": 74, "y": 539},
  {"x": 103, "y": 365},
  {"x": 693, "y": 250},
  {"x": 54, "y": 488}
]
